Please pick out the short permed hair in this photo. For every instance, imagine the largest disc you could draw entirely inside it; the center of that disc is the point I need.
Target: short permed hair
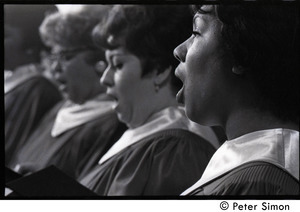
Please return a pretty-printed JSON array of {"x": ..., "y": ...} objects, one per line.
[
  {"x": 72, "y": 30},
  {"x": 150, "y": 32},
  {"x": 264, "y": 40}
]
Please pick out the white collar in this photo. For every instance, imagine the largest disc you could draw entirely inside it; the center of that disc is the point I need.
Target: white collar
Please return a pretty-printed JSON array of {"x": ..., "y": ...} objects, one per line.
[
  {"x": 168, "y": 118},
  {"x": 20, "y": 75},
  {"x": 72, "y": 115},
  {"x": 277, "y": 146}
]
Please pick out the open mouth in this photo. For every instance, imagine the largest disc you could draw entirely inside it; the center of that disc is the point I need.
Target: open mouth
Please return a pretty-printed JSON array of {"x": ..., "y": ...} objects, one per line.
[
  {"x": 62, "y": 87},
  {"x": 113, "y": 98},
  {"x": 180, "y": 95}
]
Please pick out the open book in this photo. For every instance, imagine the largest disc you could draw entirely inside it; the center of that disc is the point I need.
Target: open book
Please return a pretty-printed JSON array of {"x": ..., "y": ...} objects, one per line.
[
  {"x": 49, "y": 182},
  {"x": 10, "y": 175}
]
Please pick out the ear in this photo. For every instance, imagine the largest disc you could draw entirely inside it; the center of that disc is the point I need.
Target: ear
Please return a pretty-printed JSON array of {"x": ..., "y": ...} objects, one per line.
[{"x": 162, "y": 77}]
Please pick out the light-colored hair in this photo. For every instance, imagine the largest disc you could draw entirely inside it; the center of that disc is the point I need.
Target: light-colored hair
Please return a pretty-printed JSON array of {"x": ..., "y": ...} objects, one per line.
[{"x": 72, "y": 30}]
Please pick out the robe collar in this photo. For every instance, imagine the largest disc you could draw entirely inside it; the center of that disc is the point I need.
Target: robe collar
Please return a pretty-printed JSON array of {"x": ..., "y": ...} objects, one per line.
[
  {"x": 23, "y": 73},
  {"x": 168, "y": 118},
  {"x": 277, "y": 146},
  {"x": 72, "y": 115}
]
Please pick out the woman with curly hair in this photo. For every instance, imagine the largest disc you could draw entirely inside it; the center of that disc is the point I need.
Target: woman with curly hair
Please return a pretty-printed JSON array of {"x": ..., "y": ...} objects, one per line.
[
  {"x": 77, "y": 130},
  {"x": 159, "y": 152},
  {"x": 240, "y": 70}
]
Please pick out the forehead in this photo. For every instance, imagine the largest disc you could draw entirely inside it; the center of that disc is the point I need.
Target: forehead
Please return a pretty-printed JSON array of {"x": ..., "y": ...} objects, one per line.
[
  {"x": 205, "y": 14},
  {"x": 202, "y": 19},
  {"x": 203, "y": 22},
  {"x": 57, "y": 49}
]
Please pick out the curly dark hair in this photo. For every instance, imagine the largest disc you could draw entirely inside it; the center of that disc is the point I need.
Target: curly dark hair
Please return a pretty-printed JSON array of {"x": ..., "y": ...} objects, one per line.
[
  {"x": 150, "y": 32},
  {"x": 264, "y": 39}
]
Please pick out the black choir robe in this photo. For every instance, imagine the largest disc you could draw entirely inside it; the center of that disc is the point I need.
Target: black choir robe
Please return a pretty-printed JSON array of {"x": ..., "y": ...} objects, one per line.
[
  {"x": 73, "y": 149},
  {"x": 264, "y": 162},
  {"x": 28, "y": 97},
  {"x": 164, "y": 163},
  {"x": 254, "y": 178}
]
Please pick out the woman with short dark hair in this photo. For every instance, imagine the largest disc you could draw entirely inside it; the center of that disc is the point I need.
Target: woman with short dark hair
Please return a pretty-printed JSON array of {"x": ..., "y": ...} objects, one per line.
[
  {"x": 158, "y": 152},
  {"x": 240, "y": 71}
]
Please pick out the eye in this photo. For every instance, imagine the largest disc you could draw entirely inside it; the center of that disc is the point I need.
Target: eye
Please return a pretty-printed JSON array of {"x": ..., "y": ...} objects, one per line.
[
  {"x": 119, "y": 66},
  {"x": 117, "y": 62},
  {"x": 196, "y": 30},
  {"x": 68, "y": 56},
  {"x": 196, "y": 33}
]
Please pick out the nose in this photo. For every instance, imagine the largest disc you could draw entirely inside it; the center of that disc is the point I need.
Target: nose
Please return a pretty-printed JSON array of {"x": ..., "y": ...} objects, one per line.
[
  {"x": 180, "y": 52},
  {"x": 107, "y": 77},
  {"x": 55, "y": 67},
  {"x": 57, "y": 72}
]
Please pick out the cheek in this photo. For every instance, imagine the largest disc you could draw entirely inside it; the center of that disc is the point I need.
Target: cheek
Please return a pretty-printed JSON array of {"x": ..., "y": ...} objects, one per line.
[
  {"x": 123, "y": 87},
  {"x": 131, "y": 94},
  {"x": 76, "y": 83},
  {"x": 123, "y": 84},
  {"x": 198, "y": 76},
  {"x": 192, "y": 99},
  {"x": 193, "y": 76},
  {"x": 125, "y": 90},
  {"x": 92, "y": 77}
]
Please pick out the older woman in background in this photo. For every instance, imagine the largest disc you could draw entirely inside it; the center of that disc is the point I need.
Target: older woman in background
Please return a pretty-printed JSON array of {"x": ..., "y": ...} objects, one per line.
[
  {"x": 84, "y": 124},
  {"x": 161, "y": 148},
  {"x": 28, "y": 95},
  {"x": 240, "y": 70}
]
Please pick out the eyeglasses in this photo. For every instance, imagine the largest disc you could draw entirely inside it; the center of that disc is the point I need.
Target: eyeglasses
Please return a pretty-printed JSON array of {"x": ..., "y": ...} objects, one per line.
[{"x": 69, "y": 54}]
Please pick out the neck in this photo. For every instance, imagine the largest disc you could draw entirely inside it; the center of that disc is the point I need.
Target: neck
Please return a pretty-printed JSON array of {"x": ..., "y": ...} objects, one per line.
[
  {"x": 246, "y": 121},
  {"x": 164, "y": 98}
]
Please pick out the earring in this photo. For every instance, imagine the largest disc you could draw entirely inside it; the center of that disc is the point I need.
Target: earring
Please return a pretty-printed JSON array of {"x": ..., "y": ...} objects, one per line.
[
  {"x": 156, "y": 88},
  {"x": 111, "y": 40},
  {"x": 238, "y": 70}
]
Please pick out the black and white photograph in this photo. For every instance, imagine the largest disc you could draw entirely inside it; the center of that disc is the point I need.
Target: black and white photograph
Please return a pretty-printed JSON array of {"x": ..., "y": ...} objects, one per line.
[{"x": 152, "y": 101}]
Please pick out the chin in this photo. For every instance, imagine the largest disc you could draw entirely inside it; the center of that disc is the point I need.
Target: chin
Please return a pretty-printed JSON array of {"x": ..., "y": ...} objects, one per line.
[
  {"x": 189, "y": 112},
  {"x": 196, "y": 116},
  {"x": 76, "y": 100},
  {"x": 192, "y": 117},
  {"x": 122, "y": 117}
]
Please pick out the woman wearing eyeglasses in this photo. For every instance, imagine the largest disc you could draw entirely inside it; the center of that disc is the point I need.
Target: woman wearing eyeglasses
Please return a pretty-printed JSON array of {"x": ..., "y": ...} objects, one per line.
[{"x": 84, "y": 124}]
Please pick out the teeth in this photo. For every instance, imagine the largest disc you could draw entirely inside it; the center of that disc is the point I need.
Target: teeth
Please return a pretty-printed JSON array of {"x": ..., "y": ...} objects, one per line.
[{"x": 180, "y": 96}]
